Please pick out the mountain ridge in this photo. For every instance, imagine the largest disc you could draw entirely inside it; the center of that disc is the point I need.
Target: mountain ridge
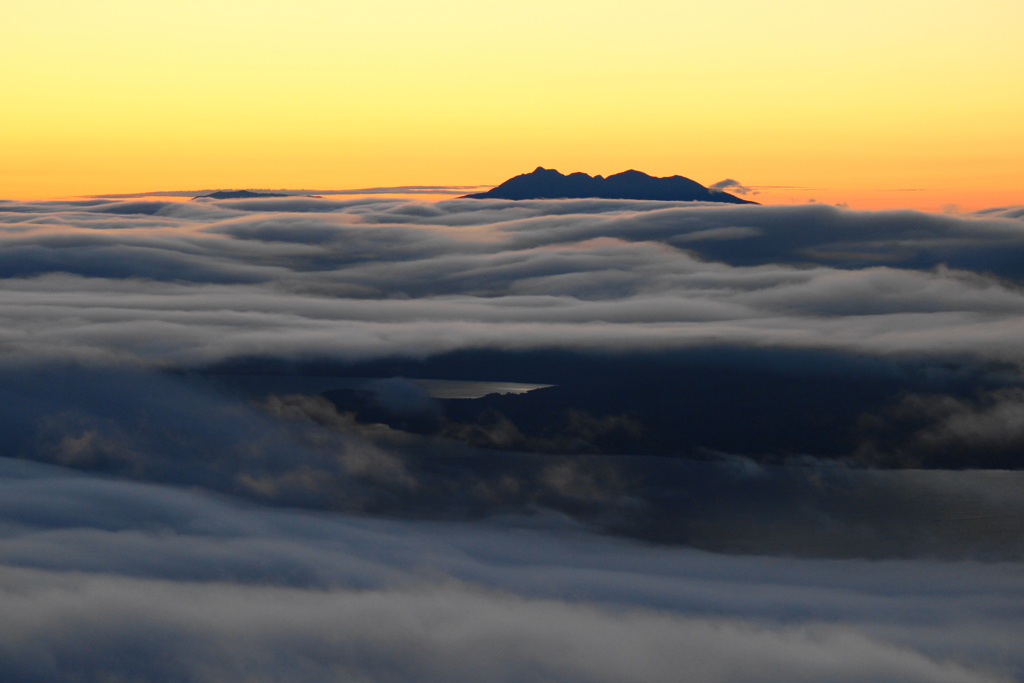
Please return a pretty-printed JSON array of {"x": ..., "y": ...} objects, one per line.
[
  {"x": 545, "y": 183},
  {"x": 239, "y": 194}
]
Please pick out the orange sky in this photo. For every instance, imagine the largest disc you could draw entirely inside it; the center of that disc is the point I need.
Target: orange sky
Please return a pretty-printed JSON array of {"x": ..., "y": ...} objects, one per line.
[{"x": 873, "y": 104}]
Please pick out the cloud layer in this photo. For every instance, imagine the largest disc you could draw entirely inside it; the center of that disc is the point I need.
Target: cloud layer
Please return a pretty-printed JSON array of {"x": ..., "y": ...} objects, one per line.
[
  {"x": 200, "y": 282},
  {"x": 163, "y": 520},
  {"x": 104, "y": 579}
]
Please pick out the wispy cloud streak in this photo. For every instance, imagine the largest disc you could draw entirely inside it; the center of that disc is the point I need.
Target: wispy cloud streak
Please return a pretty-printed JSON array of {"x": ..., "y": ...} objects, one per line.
[{"x": 398, "y": 189}]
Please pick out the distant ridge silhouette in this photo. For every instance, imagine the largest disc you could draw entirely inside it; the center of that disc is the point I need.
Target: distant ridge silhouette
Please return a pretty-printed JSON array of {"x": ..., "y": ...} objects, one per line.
[
  {"x": 238, "y": 194},
  {"x": 545, "y": 183}
]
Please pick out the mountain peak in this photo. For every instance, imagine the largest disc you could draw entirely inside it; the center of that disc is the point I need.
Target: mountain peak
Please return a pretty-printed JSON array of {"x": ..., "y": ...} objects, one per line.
[{"x": 632, "y": 173}]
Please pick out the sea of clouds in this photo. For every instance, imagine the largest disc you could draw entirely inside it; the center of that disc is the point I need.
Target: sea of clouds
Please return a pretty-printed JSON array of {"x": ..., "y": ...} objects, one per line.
[
  {"x": 156, "y": 527},
  {"x": 195, "y": 282}
]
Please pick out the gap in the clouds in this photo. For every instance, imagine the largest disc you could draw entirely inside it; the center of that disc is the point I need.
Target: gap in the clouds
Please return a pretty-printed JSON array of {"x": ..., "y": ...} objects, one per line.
[
  {"x": 770, "y": 405},
  {"x": 304, "y": 451},
  {"x": 258, "y": 386}
]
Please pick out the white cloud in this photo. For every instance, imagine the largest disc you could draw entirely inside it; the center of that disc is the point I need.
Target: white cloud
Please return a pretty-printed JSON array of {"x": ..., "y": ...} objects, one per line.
[
  {"x": 358, "y": 278},
  {"x": 122, "y": 579}
]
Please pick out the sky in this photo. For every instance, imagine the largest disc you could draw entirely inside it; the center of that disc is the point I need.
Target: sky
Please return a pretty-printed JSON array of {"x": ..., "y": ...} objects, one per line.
[
  {"x": 870, "y": 104},
  {"x": 776, "y": 441}
]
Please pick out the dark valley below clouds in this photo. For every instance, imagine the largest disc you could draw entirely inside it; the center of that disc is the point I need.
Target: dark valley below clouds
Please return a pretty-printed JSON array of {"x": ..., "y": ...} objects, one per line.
[{"x": 253, "y": 439}]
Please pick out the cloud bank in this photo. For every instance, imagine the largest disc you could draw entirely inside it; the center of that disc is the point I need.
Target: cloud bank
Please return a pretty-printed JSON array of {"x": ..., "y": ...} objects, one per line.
[
  {"x": 104, "y": 579},
  {"x": 183, "y": 283}
]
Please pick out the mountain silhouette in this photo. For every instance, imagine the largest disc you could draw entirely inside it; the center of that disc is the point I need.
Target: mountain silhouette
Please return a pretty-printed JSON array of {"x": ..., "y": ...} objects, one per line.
[
  {"x": 546, "y": 183},
  {"x": 238, "y": 194}
]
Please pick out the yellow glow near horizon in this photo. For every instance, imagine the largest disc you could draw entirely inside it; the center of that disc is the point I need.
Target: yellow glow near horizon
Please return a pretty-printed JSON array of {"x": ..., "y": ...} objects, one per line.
[{"x": 914, "y": 103}]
